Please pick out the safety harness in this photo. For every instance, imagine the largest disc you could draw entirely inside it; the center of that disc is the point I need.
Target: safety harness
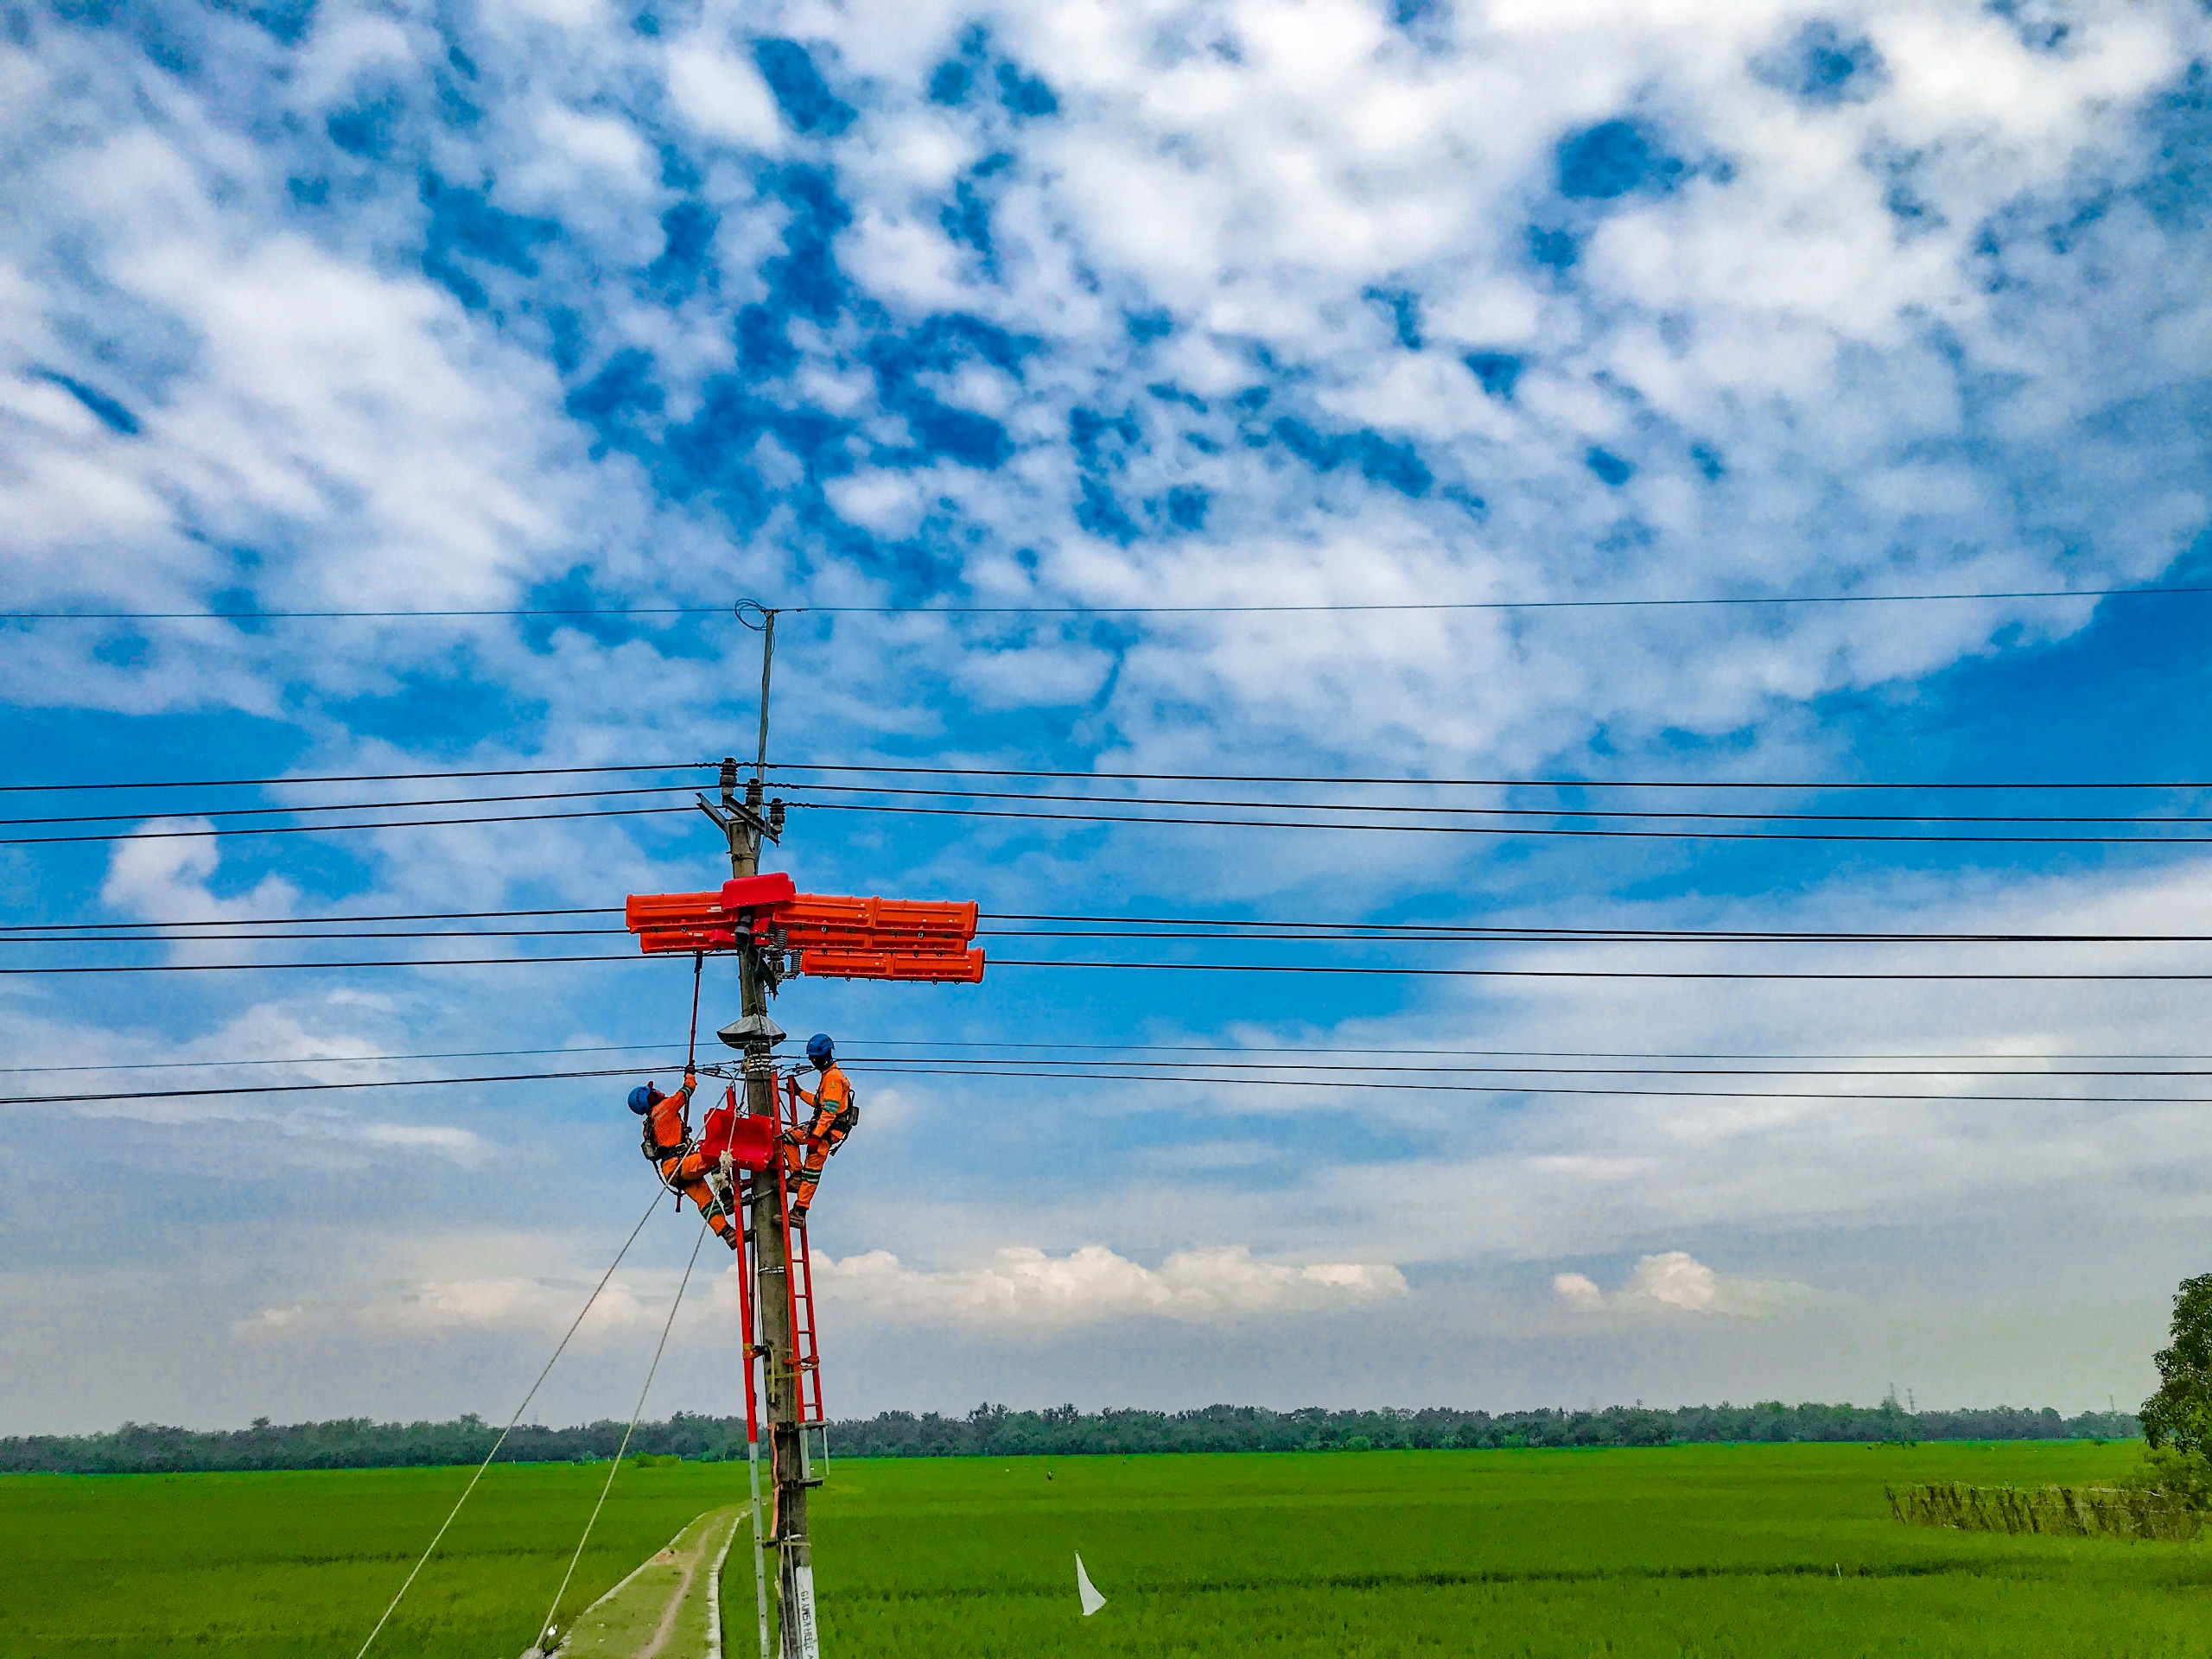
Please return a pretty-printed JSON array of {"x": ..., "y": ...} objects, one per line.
[{"x": 649, "y": 1141}]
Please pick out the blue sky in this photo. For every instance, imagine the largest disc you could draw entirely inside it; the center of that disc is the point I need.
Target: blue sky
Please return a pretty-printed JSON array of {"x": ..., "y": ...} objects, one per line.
[{"x": 563, "y": 304}]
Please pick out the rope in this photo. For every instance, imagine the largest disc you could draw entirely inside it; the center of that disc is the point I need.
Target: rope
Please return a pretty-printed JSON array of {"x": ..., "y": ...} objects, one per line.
[
  {"x": 512, "y": 1422},
  {"x": 611, "y": 1469},
  {"x": 692, "y": 1047}
]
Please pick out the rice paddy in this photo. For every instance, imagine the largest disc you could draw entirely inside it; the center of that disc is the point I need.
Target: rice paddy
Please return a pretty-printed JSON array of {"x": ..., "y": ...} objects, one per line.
[{"x": 1684, "y": 1550}]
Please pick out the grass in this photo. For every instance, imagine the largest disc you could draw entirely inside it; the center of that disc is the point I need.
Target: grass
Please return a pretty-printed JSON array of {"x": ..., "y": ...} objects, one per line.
[{"x": 1692, "y": 1550}]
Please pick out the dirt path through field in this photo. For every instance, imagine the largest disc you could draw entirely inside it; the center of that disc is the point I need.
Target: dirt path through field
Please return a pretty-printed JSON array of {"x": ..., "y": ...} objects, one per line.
[{"x": 660, "y": 1608}]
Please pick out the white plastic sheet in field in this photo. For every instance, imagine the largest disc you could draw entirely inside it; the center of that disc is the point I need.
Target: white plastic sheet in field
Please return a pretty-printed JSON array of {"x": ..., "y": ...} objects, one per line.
[{"x": 1093, "y": 1601}]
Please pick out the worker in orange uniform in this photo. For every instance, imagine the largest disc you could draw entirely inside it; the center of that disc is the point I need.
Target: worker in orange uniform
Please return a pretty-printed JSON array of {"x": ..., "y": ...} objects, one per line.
[
  {"x": 836, "y": 1112},
  {"x": 667, "y": 1141}
]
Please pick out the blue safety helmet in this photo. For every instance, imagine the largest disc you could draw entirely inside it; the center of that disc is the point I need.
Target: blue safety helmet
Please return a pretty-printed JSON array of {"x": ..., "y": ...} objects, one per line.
[
  {"x": 820, "y": 1049},
  {"x": 641, "y": 1098}
]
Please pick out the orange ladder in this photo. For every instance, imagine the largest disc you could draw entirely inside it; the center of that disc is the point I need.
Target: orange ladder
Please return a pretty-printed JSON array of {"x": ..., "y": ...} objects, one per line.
[{"x": 798, "y": 1286}]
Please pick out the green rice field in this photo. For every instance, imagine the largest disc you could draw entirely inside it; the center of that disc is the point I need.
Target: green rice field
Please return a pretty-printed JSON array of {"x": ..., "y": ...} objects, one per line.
[{"x": 1688, "y": 1550}]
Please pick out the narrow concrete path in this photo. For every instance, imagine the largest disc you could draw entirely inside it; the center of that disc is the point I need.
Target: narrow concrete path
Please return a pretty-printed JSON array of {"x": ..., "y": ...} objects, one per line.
[{"x": 660, "y": 1611}]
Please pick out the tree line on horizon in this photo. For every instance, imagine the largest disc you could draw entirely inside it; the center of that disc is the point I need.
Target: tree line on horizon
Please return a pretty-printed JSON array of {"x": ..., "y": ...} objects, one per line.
[{"x": 1059, "y": 1431}]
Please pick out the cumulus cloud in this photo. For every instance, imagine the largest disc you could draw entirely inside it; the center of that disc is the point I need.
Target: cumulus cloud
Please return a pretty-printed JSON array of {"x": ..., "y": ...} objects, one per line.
[
  {"x": 1676, "y": 1282},
  {"x": 160, "y": 872},
  {"x": 1062, "y": 304},
  {"x": 1027, "y": 1287},
  {"x": 1282, "y": 304}
]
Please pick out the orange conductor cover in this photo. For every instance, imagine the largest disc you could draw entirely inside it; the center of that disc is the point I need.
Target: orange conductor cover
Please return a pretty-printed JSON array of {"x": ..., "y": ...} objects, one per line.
[{"x": 835, "y": 936}]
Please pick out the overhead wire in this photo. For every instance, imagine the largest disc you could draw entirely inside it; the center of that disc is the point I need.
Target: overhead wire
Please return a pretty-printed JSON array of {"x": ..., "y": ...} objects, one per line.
[
  {"x": 546, "y": 1370},
  {"x": 1355, "y": 826},
  {"x": 1270, "y": 929},
  {"x": 1258, "y": 934},
  {"x": 509, "y": 818},
  {"x": 1362, "y": 970},
  {"x": 1830, "y": 785},
  {"x": 307, "y": 921},
  {"x": 1401, "y": 808},
  {"x": 1062, "y": 815},
  {"x": 1209, "y": 609},
  {"x": 290, "y": 780},
  {"x": 786, "y": 769},
  {"x": 338, "y": 1060},
  {"x": 378, "y": 806},
  {"x": 930, "y": 1067},
  {"x": 660, "y": 1348},
  {"x": 1034, "y": 1054}
]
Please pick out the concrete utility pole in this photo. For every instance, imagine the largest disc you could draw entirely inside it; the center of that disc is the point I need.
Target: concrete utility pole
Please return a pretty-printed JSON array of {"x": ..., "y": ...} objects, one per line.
[{"x": 746, "y": 826}]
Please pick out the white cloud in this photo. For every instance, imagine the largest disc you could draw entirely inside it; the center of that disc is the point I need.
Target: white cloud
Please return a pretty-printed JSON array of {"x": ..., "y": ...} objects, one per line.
[
  {"x": 1026, "y": 1286},
  {"x": 160, "y": 872},
  {"x": 1677, "y": 1282},
  {"x": 722, "y": 96},
  {"x": 889, "y": 502},
  {"x": 463, "y": 1146}
]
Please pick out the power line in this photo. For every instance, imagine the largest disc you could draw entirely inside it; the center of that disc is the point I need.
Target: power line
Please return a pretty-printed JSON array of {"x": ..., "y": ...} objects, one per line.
[
  {"x": 1583, "y": 973},
  {"x": 1776, "y": 815},
  {"x": 1491, "y": 831},
  {"x": 928, "y": 1068},
  {"x": 785, "y": 769},
  {"x": 310, "y": 921},
  {"x": 380, "y": 616},
  {"x": 167, "y": 937},
  {"x": 1227, "y": 932},
  {"x": 1358, "y": 969},
  {"x": 353, "y": 778},
  {"x": 1202, "y": 1069},
  {"x": 1837, "y": 784},
  {"x": 448, "y": 800},
  {"x": 327, "y": 829},
  {"x": 341, "y": 1059},
  {"x": 1248, "y": 1052},
  {"x": 1259, "y": 929},
  {"x": 1524, "y": 1053},
  {"x": 1253, "y": 1058},
  {"x": 1292, "y": 609},
  {"x": 1494, "y": 830}
]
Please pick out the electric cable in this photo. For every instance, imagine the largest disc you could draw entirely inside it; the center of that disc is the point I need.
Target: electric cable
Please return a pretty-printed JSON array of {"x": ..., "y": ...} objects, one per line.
[
  {"x": 1357, "y": 970},
  {"x": 510, "y": 818},
  {"x": 549, "y": 1626},
  {"x": 561, "y": 1348},
  {"x": 1395, "y": 809},
  {"x": 339, "y": 1060},
  {"x": 308, "y": 921},
  {"x": 1269, "y": 928},
  {"x": 925, "y": 1068},
  {"x": 1489, "y": 830},
  {"x": 95, "y": 1096},
  {"x": 1232, "y": 933},
  {"x": 1776, "y": 815},
  {"x": 139, "y": 813},
  {"x": 1526, "y": 1053},
  {"x": 785, "y": 770},
  {"x": 180, "y": 938},
  {"x": 1959, "y": 976},
  {"x": 1837, "y": 785},
  {"x": 1459, "y": 828},
  {"x": 1245, "y": 1051},
  {"x": 1283, "y": 608},
  {"x": 351, "y": 778}
]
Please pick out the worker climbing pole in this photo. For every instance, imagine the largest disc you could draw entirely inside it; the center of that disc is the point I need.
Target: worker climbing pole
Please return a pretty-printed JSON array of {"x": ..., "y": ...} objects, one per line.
[{"x": 777, "y": 932}]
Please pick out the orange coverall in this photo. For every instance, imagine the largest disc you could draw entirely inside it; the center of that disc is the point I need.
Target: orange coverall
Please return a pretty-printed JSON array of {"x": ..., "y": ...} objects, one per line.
[
  {"x": 683, "y": 1166},
  {"x": 834, "y": 1117}
]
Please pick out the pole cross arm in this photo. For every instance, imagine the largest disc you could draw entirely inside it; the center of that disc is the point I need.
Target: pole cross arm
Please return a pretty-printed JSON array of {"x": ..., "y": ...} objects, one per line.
[{"x": 833, "y": 936}]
